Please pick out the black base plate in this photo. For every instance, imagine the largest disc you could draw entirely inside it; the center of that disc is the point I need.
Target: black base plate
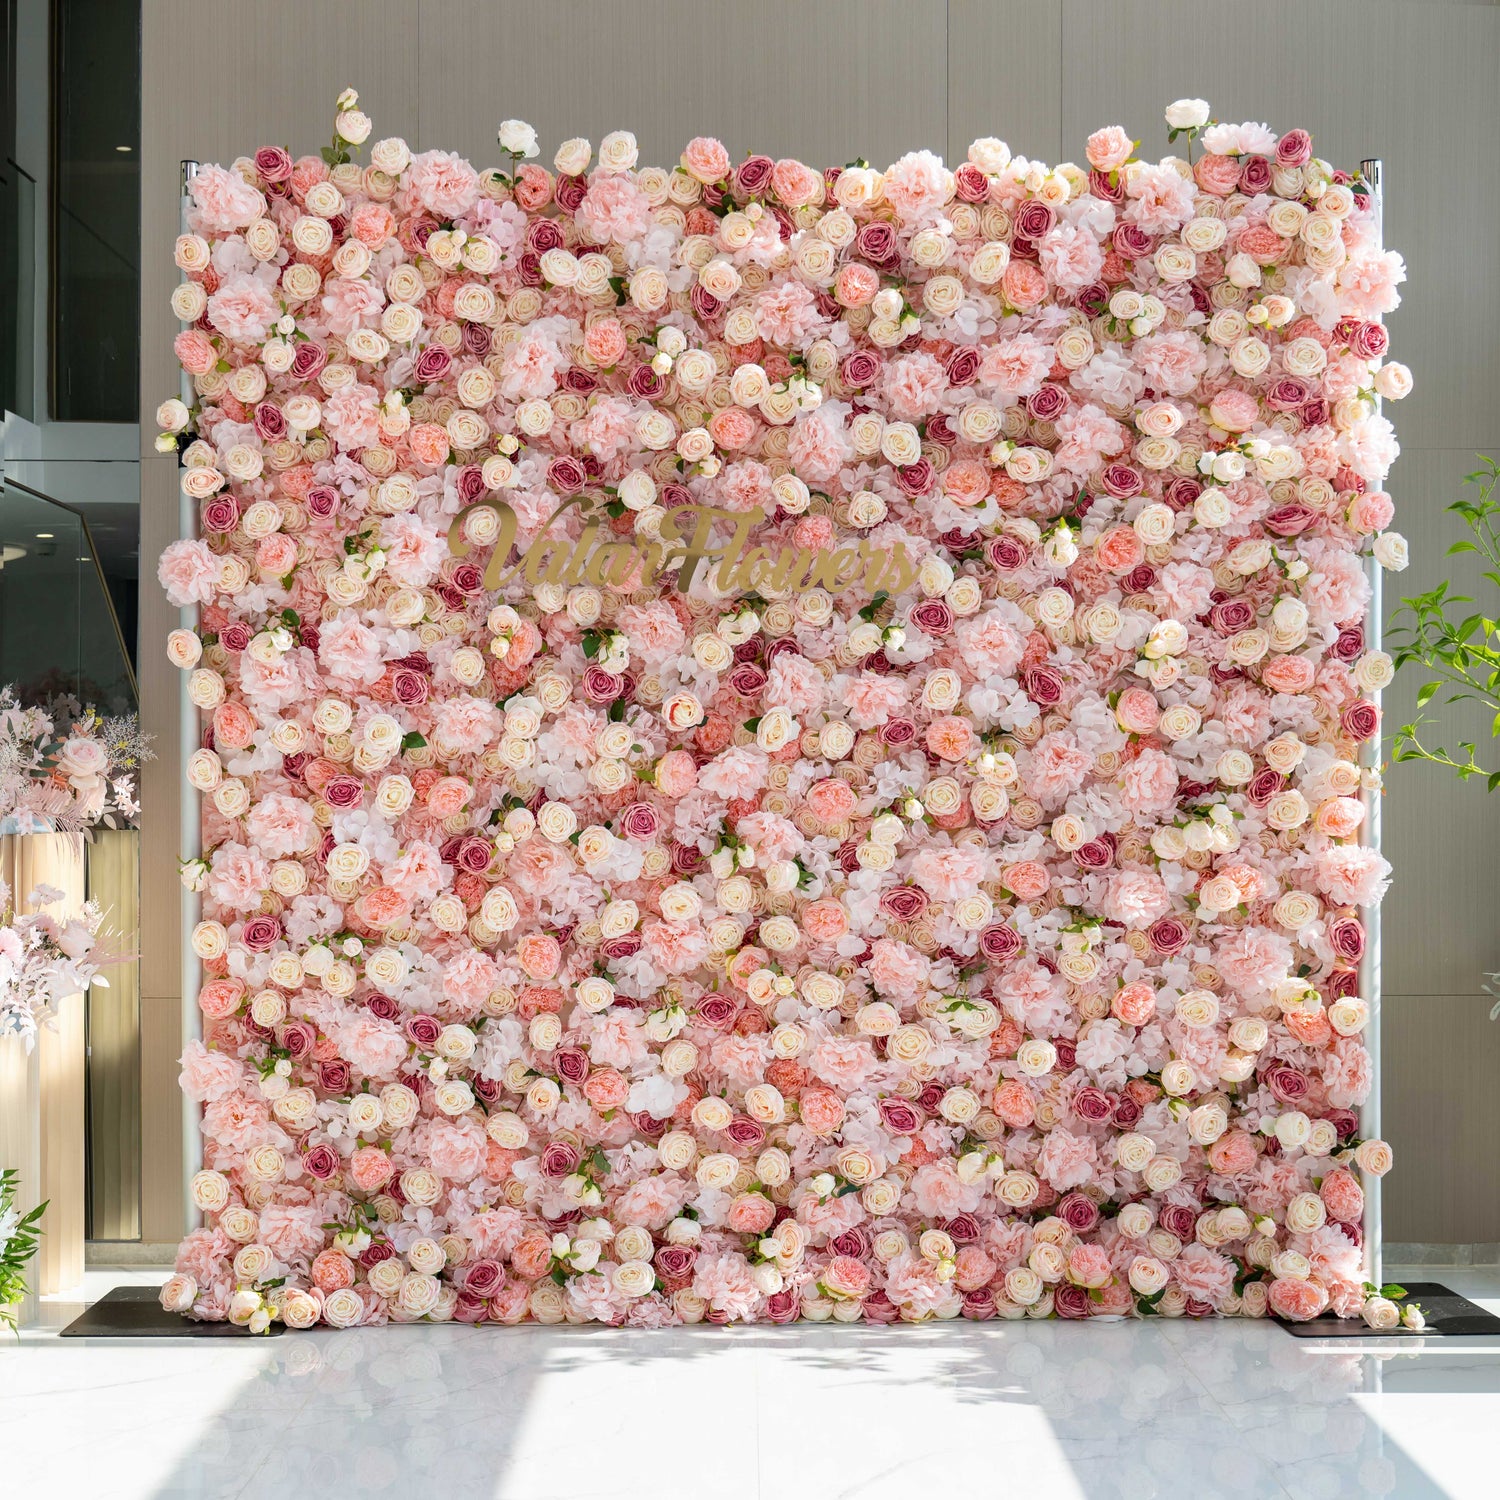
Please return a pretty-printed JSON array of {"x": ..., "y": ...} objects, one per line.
[
  {"x": 1448, "y": 1316},
  {"x": 135, "y": 1312}
]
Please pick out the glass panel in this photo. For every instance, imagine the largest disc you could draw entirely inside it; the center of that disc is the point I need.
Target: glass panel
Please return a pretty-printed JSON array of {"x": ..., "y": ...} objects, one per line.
[
  {"x": 17, "y": 289},
  {"x": 96, "y": 112},
  {"x": 58, "y": 633}
]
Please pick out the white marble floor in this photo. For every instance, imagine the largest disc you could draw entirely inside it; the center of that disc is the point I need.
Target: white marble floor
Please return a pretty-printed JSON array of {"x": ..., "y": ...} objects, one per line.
[{"x": 966, "y": 1411}]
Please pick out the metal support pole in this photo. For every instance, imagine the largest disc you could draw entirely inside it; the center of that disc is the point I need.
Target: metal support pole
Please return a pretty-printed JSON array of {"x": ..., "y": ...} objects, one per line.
[
  {"x": 190, "y": 833},
  {"x": 1371, "y": 758}
]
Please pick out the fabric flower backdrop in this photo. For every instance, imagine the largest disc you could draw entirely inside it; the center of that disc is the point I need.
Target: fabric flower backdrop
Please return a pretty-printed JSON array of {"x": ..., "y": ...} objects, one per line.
[{"x": 863, "y": 820}]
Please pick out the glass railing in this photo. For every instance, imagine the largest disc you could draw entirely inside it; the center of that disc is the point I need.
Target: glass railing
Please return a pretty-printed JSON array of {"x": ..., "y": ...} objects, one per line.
[{"x": 59, "y": 635}]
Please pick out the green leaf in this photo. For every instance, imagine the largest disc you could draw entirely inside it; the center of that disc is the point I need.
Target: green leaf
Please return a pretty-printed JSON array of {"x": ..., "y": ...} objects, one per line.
[
  {"x": 412, "y": 741},
  {"x": 1393, "y": 1290}
]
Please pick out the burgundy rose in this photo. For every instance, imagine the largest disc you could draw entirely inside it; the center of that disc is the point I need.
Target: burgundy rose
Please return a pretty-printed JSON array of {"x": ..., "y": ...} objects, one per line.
[
  {"x": 783, "y": 1307},
  {"x": 898, "y": 732},
  {"x": 1370, "y": 340},
  {"x": 1107, "y": 187},
  {"x": 621, "y": 947},
  {"x": 1179, "y": 1219},
  {"x": 1290, "y": 520},
  {"x": 334, "y": 1075},
  {"x": 644, "y": 383},
  {"x": 961, "y": 367},
  {"x": 979, "y": 1305},
  {"x": 1168, "y": 935},
  {"x": 566, "y": 475},
  {"x": 1071, "y": 1301},
  {"x": 675, "y": 1262},
  {"x": 1361, "y": 720},
  {"x": 876, "y": 242},
  {"x": 933, "y": 616},
  {"x": 543, "y": 235},
  {"x": 1048, "y": 402},
  {"x": 433, "y": 363},
  {"x": 467, "y": 579},
  {"x": 475, "y": 854},
  {"x": 476, "y": 339},
  {"x": 903, "y": 903},
  {"x": 1255, "y": 175},
  {"x": 299, "y": 1038},
  {"x": 571, "y": 1063},
  {"x": 686, "y": 859},
  {"x": 1127, "y": 1113},
  {"x": 747, "y": 679},
  {"x": 1180, "y": 492},
  {"x": 1315, "y": 413},
  {"x": 422, "y": 1030},
  {"x": 601, "y": 686},
  {"x": 916, "y": 479},
  {"x": 1294, "y": 149},
  {"x": 307, "y": 360},
  {"x": 640, "y": 821},
  {"x": 1034, "y": 219},
  {"x": 1006, "y": 554},
  {"x": 753, "y": 176},
  {"x": 1093, "y": 1105},
  {"x": 581, "y": 382},
  {"x": 1287, "y": 1083},
  {"x": 344, "y": 792},
  {"x": 221, "y": 514},
  {"x": 706, "y": 307},
  {"x": 900, "y": 1117},
  {"x": 382, "y": 1006},
  {"x": 1351, "y": 643},
  {"x": 717, "y": 1011},
  {"x": 1230, "y": 616},
  {"x": 1287, "y": 393},
  {"x": 1345, "y": 1121},
  {"x": 235, "y": 637},
  {"x": 1043, "y": 685},
  {"x": 559, "y": 1159},
  {"x": 1341, "y": 984},
  {"x": 570, "y": 192},
  {"x": 379, "y": 1250},
  {"x": 1078, "y": 1212},
  {"x": 854, "y": 1243},
  {"x": 483, "y": 1278},
  {"x": 1096, "y": 854},
  {"x": 273, "y": 164},
  {"x": 745, "y": 1132},
  {"x": 1264, "y": 785},
  {"x": 1140, "y": 578},
  {"x": 940, "y": 430},
  {"x": 408, "y": 687},
  {"x": 1131, "y": 241},
  {"x": 261, "y": 933},
  {"x": 1121, "y": 481},
  {"x": 860, "y": 368},
  {"x": 487, "y": 1090},
  {"x": 931, "y": 1097},
  {"x": 970, "y": 185},
  {"x": 270, "y": 424},
  {"x": 321, "y": 1162},
  {"x": 877, "y": 1308},
  {"x": 1346, "y": 935},
  {"x": 997, "y": 942},
  {"x": 322, "y": 501}
]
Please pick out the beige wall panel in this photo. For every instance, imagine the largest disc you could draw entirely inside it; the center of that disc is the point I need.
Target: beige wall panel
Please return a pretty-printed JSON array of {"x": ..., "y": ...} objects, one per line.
[
  {"x": 823, "y": 82},
  {"x": 1442, "y": 1114},
  {"x": 1439, "y": 833},
  {"x": 1397, "y": 81},
  {"x": 1005, "y": 69}
]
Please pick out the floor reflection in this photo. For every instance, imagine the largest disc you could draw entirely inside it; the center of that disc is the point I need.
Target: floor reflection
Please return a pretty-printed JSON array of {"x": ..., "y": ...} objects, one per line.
[{"x": 1130, "y": 1410}]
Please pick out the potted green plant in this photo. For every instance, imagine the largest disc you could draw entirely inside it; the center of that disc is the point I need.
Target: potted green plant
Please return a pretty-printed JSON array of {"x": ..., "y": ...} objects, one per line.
[{"x": 19, "y": 1234}]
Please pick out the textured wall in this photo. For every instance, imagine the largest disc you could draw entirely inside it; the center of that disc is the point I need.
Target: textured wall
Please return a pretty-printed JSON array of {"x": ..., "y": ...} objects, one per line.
[{"x": 841, "y": 78}]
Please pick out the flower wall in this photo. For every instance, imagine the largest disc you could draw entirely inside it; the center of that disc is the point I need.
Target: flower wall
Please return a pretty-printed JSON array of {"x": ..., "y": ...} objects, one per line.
[{"x": 862, "y": 817}]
